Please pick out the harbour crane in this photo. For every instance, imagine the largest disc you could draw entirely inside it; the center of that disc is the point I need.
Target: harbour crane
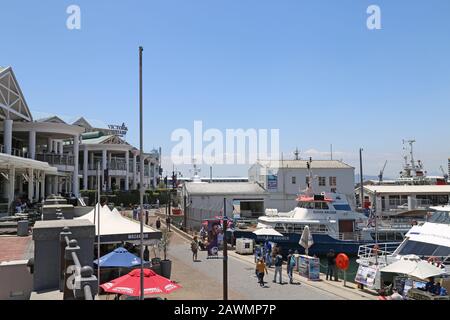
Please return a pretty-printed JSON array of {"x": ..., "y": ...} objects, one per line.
[
  {"x": 445, "y": 175},
  {"x": 380, "y": 176}
]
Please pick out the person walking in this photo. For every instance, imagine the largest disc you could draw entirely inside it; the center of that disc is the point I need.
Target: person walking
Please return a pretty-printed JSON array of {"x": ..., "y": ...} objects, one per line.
[
  {"x": 273, "y": 255},
  {"x": 194, "y": 248},
  {"x": 135, "y": 213},
  {"x": 331, "y": 269},
  {"x": 158, "y": 223},
  {"x": 290, "y": 266},
  {"x": 261, "y": 269},
  {"x": 168, "y": 223},
  {"x": 278, "y": 267}
]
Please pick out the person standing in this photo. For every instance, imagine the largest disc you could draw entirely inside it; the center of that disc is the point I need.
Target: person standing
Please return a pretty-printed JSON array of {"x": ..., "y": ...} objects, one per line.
[
  {"x": 168, "y": 223},
  {"x": 194, "y": 248},
  {"x": 260, "y": 270},
  {"x": 158, "y": 223},
  {"x": 278, "y": 267},
  {"x": 135, "y": 212},
  {"x": 290, "y": 266},
  {"x": 331, "y": 270},
  {"x": 273, "y": 255}
]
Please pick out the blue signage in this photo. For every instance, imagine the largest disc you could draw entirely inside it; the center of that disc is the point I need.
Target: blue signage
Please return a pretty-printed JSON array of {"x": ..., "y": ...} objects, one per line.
[{"x": 272, "y": 182}]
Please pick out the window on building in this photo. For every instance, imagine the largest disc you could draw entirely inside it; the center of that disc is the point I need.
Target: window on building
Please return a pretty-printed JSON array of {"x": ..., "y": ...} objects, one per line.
[
  {"x": 333, "y": 182},
  {"x": 322, "y": 182},
  {"x": 333, "y": 190},
  {"x": 294, "y": 180}
]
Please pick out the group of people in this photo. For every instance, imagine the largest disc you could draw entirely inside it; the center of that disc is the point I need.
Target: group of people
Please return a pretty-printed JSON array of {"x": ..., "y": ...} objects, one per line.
[
  {"x": 21, "y": 205},
  {"x": 270, "y": 255},
  {"x": 211, "y": 241},
  {"x": 434, "y": 287}
]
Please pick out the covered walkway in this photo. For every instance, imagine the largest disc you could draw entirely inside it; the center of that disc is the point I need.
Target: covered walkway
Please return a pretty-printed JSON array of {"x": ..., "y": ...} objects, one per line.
[{"x": 18, "y": 171}]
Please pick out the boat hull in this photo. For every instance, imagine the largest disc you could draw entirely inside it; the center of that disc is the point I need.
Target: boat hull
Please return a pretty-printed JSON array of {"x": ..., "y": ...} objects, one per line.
[{"x": 323, "y": 243}]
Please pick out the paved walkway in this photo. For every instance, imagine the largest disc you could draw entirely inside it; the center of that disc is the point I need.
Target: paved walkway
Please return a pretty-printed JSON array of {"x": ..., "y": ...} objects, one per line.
[
  {"x": 203, "y": 280},
  {"x": 15, "y": 248}
]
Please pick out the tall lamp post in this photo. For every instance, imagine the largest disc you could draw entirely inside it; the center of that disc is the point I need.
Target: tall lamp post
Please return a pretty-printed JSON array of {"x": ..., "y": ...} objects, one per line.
[
  {"x": 141, "y": 166},
  {"x": 361, "y": 178},
  {"x": 225, "y": 251}
]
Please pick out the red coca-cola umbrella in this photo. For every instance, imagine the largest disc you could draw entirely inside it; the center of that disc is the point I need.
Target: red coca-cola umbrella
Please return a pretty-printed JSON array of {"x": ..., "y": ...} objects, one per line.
[{"x": 129, "y": 284}]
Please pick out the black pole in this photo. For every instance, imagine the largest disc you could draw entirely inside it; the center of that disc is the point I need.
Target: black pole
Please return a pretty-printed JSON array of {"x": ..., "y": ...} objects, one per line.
[
  {"x": 170, "y": 207},
  {"x": 185, "y": 212},
  {"x": 141, "y": 182},
  {"x": 361, "y": 178},
  {"x": 225, "y": 251}
]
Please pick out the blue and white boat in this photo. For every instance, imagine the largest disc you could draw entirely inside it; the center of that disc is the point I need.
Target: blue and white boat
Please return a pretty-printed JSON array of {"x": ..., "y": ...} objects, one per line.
[{"x": 332, "y": 223}]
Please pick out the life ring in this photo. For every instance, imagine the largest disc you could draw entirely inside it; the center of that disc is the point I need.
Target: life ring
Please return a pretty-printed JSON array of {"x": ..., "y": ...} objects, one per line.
[{"x": 342, "y": 261}]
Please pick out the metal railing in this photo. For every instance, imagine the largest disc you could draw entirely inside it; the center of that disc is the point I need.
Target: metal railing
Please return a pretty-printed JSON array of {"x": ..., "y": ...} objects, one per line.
[
  {"x": 377, "y": 253},
  {"x": 56, "y": 159},
  {"x": 15, "y": 152},
  {"x": 350, "y": 236},
  {"x": 77, "y": 282},
  {"x": 19, "y": 153}
]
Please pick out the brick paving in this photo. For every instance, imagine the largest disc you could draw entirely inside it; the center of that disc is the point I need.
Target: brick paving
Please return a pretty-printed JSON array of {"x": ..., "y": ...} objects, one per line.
[{"x": 15, "y": 248}]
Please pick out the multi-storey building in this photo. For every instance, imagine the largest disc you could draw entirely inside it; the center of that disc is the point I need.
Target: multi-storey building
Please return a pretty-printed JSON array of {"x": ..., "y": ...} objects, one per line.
[{"x": 52, "y": 156}]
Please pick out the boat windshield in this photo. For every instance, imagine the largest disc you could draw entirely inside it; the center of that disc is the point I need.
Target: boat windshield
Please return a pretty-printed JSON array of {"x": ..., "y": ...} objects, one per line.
[
  {"x": 342, "y": 207},
  {"x": 424, "y": 249},
  {"x": 318, "y": 205}
]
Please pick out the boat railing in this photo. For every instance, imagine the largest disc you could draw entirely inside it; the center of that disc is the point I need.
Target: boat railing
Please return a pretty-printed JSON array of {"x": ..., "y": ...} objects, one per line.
[
  {"x": 346, "y": 236},
  {"x": 377, "y": 253}
]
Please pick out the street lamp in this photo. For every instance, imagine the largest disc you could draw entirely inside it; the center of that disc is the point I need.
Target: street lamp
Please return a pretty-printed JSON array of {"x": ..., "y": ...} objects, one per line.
[{"x": 141, "y": 165}]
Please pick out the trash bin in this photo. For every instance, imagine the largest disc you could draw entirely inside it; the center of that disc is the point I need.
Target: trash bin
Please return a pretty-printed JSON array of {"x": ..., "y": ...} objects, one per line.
[{"x": 22, "y": 228}]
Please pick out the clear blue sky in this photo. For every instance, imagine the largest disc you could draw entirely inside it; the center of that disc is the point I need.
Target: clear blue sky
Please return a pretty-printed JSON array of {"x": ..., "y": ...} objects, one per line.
[{"x": 310, "y": 68}]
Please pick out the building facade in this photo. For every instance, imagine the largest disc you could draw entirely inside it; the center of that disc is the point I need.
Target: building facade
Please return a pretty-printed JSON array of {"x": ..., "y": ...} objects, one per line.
[
  {"x": 206, "y": 201},
  {"x": 51, "y": 156},
  {"x": 284, "y": 180}
]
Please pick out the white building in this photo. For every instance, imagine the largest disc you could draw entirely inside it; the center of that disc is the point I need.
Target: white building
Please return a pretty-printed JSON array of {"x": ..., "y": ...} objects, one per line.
[
  {"x": 206, "y": 200},
  {"x": 50, "y": 156},
  {"x": 391, "y": 198},
  {"x": 284, "y": 180}
]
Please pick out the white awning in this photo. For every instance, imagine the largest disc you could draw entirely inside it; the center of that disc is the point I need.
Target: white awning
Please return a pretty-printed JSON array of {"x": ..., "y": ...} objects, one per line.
[
  {"x": 267, "y": 232},
  {"x": 115, "y": 229},
  {"x": 413, "y": 266},
  {"x": 7, "y": 161}
]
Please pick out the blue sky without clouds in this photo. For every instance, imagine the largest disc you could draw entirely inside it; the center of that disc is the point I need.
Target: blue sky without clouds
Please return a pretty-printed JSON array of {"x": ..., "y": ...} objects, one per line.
[{"x": 310, "y": 68}]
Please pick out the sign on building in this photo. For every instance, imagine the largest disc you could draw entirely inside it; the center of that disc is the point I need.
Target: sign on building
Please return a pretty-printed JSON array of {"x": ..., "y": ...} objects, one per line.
[
  {"x": 119, "y": 130},
  {"x": 272, "y": 182}
]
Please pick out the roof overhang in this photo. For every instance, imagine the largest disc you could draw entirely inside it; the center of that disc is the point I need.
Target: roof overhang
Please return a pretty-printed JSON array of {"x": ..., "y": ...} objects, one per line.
[
  {"x": 58, "y": 130},
  {"x": 8, "y": 161},
  {"x": 12, "y": 101}
]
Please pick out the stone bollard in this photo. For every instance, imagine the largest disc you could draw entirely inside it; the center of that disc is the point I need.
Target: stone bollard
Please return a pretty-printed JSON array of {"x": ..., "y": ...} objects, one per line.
[{"x": 86, "y": 278}]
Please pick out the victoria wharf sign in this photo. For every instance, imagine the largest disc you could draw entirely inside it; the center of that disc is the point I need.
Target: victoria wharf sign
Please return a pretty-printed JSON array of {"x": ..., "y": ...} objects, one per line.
[{"x": 120, "y": 130}]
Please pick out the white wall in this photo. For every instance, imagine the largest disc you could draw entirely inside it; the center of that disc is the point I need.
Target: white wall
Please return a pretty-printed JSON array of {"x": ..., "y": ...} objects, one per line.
[
  {"x": 284, "y": 197},
  {"x": 208, "y": 207}
]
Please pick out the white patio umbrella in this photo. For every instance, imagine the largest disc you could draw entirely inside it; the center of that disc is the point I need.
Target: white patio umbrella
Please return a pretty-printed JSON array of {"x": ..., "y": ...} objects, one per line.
[
  {"x": 306, "y": 240},
  {"x": 413, "y": 266},
  {"x": 267, "y": 232}
]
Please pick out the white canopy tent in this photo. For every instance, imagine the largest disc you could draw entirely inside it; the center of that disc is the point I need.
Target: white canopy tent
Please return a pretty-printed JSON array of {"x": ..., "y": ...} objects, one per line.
[
  {"x": 413, "y": 266},
  {"x": 269, "y": 232},
  {"x": 116, "y": 229}
]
